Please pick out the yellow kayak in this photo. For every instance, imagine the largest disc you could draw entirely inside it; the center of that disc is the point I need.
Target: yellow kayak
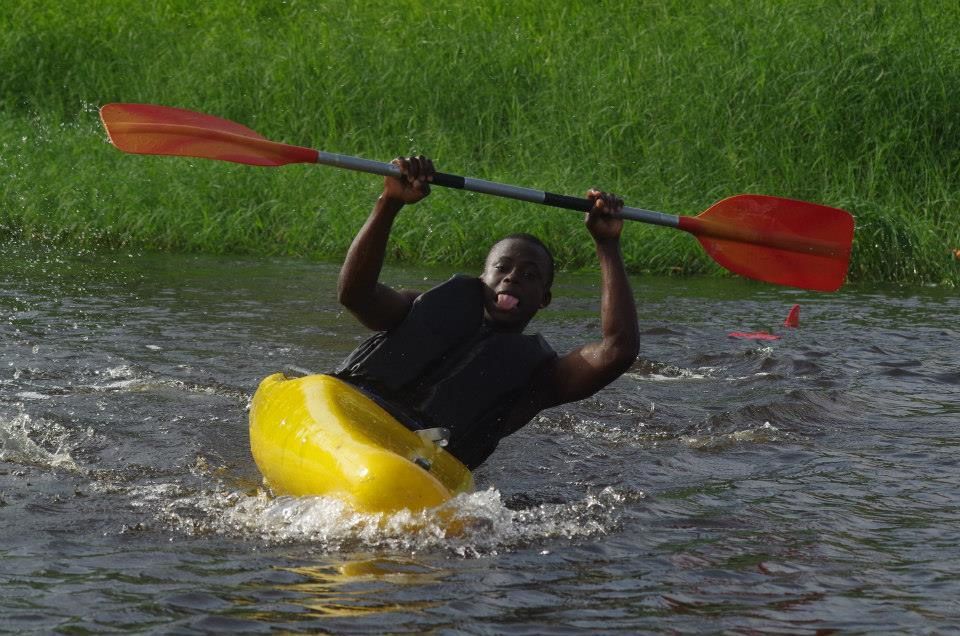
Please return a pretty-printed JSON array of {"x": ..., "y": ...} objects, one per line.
[{"x": 317, "y": 435}]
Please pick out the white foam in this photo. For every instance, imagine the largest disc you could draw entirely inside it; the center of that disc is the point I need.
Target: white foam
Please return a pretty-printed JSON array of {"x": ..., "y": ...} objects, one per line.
[
  {"x": 758, "y": 435},
  {"x": 671, "y": 373},
  {"x": 469, "y": 525},
  {"x": 17, "y": 444},
  {"x": 32, "y": 395}
]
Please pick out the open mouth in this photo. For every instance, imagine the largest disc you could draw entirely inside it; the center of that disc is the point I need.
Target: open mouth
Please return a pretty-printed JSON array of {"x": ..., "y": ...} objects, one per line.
[{"x": 506, "y": 302}]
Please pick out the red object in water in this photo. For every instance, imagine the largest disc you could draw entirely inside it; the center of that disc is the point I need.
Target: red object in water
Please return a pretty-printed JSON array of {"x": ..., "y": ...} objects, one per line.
[
  {"x": 753, "y": 335},
  {"x": 793, "y": 318}
]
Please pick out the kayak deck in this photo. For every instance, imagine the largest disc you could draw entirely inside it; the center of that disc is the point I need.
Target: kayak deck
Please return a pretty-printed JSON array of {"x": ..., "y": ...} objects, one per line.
[{"x": 317, "y": 435}]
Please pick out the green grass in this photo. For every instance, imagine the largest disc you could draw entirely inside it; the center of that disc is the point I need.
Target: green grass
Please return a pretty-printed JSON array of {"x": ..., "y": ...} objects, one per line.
[{"x": 672, "y": 104}]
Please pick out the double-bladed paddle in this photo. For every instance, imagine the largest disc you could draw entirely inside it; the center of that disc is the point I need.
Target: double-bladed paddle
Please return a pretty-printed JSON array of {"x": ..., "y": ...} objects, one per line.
[{"x": 772, "y": 239}]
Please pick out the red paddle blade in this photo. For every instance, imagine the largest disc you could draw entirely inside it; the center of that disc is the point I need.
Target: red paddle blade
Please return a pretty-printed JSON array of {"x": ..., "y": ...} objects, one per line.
[
  {"x": 781, "y": 241},
  {"x": 161, "y": 130}
]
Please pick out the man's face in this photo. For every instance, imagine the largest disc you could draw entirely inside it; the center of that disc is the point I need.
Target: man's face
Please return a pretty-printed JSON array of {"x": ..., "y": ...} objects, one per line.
[{"x": 516, "y": 281}]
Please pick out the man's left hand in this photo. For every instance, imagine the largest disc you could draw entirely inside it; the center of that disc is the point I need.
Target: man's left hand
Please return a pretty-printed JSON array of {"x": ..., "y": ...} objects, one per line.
[{"x": 603, "y": 221}]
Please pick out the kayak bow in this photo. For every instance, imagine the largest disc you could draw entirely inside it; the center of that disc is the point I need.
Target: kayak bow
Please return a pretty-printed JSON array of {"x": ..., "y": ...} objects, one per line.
[{"x": 318, "y": 435}]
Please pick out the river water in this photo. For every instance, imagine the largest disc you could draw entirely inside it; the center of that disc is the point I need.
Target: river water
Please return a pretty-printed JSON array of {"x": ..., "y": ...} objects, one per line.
[{"x": 804, "y": 484}]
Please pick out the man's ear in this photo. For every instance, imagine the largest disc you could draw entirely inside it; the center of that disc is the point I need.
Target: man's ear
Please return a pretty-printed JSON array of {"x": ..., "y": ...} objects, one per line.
[{"x": 547, "y": 297}]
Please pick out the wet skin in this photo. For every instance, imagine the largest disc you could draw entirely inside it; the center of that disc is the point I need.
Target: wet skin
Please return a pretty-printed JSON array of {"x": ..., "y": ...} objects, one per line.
[{"x": 518, "y": 269}]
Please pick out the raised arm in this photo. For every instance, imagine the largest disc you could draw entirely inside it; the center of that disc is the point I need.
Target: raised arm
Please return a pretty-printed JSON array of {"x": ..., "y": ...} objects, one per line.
[
  {"x": 589, "y": 368},
  {"x": 374, "y": 304}
]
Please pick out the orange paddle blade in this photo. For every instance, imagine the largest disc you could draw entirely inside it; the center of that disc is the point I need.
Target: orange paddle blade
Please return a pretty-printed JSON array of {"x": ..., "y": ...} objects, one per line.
[
  {"x": 147, "y": 129},
  {"x": 777, "y": 240}
]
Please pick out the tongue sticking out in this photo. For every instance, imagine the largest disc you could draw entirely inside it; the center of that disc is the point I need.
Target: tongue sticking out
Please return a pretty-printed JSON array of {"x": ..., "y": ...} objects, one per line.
[{"x": 506, "y": 302}]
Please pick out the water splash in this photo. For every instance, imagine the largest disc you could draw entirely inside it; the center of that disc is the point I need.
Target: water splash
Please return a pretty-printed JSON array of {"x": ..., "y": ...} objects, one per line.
[
  {"x": 122, "y": 379},
  {"x": 51, "y": 448},
  {"x": 763, "y": 434},
  {"x": 470, "y": 525},
  {"x": 662, "y": 372}
]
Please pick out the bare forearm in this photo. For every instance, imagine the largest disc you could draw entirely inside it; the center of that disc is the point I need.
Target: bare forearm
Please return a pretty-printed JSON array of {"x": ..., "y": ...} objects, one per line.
[
  {"x": 377, "y": 306},
  {"x": 374, "y": 304},
  {"x": 588, "y": 369},
  {"x": 364, "y": 261},
  {"x": 618, "y": 312}
]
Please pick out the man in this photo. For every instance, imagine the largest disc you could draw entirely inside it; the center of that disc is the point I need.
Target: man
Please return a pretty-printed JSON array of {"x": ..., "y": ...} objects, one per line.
[{"x": 456, "y": 356}]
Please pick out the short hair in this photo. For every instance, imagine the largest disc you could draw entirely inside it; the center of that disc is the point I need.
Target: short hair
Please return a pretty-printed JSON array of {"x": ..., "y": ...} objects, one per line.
[{"x": 533, "y": 240}]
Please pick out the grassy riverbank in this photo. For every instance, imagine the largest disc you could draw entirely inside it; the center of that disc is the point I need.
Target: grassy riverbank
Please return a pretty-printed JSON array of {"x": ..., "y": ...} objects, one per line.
[{"x": 672, "y": 104}]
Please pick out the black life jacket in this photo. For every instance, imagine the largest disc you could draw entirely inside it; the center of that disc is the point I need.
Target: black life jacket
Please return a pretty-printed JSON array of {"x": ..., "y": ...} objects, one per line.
[{"x": 444, "y": 366}]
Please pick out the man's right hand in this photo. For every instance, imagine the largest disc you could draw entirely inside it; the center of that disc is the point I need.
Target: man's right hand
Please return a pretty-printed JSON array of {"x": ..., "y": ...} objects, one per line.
[{"x": 413, "y": 183}]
